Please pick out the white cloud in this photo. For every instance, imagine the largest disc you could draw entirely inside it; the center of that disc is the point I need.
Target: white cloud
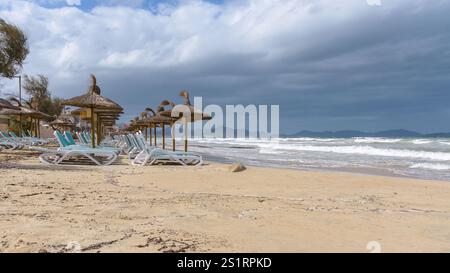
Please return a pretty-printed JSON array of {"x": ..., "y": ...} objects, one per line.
[
  {"x": 374, "y": 2},
  {"x": 73, "y": 2},
  {"x": 112, "y": 37}
]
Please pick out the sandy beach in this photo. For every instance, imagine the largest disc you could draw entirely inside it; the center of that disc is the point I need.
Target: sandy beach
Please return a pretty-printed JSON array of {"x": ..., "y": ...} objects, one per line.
[{"x": 124, "y": 208}]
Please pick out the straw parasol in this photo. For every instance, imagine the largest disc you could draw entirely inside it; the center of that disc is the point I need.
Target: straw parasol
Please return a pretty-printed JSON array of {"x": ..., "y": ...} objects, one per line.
[
  {"x": 23, "y": 111},
  {"x": 62, "y": 123},
  {"x": 38, "y": 116},
  {"x": 4, "y": 104},
  {"x": 145, "y": 115},
  {"x": 64, "y": 120},
  {"x": 104, "y": 116},
  {"x": 93, "y": 100},
  {"x": 186, "y": 107},
  {"x": 134, "y": 123},
  {"x": 196, "y": 114},
  {"x": 155, "y": 120}
]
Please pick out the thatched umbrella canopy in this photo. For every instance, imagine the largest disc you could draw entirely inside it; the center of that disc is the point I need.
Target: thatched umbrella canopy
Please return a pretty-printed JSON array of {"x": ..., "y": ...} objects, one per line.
[
  {"x": 4, "y": 104},
  {"x": 196, "y": 114},
  {"x": 134, "y": 123},
  {"x": 78, "y": 111},
  {"x": 23, "y": 111},
  {"x": 60, "y": 120},
  {"x": 179, "y": 111},
  {"x": 106, "y": 119},
  {"x": 99, "y": 112},
  {"x": 10, "y": 112},
  {"x": 158, "y": 119},
  {"x": 93, "y": 100},
  {"x": 62, "y": 123},
  {"x": 38, "y": 116},
  {"x": 144, "y": 125}
]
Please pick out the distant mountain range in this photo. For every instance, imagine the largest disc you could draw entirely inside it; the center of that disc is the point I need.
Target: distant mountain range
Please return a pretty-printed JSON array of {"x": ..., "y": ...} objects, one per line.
[
  {"x": 345, "y": 134},
  {"x": 350, "y": 133}
]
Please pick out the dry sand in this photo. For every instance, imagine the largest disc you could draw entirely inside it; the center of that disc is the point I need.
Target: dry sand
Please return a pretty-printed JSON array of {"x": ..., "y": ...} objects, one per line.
[{"x": 124, "y": 208}]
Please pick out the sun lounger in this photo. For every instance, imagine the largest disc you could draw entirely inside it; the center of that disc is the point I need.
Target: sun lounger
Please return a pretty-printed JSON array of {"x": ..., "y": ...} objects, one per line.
[
  {"x": 155, "y": 155},
  {"x": 29, "y": 136},
  {"x": 71, "y": 153},
  {"x": 7, "y": 139},
  {"x": 9, "y": 145},
  {"x": 24, "y": 140},
  {"x": 55, "y": 157},
  {"x": 68, "y": 143}
]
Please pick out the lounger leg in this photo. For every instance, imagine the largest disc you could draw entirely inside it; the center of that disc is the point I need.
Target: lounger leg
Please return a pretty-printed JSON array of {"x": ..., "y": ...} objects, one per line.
[
  {"x": 93, "y": 159},
  {"x": 109, "y": 162}
]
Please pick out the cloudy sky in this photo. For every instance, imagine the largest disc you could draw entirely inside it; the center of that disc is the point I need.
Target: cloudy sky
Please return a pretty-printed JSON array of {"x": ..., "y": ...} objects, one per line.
[{"x": 329, "y": 64}]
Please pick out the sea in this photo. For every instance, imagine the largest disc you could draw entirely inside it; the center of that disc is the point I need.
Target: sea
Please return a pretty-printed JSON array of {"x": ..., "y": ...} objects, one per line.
[{"x": 404, "y": 157}]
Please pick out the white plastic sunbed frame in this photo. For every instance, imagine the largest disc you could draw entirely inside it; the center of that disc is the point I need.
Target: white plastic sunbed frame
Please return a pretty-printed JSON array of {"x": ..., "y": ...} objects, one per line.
[
  {"x": 9, "y": 142},
  {"x": 98, "y": 156},
  {"x": 154, "y": 155},
  {"x": 55, "y": 157}
]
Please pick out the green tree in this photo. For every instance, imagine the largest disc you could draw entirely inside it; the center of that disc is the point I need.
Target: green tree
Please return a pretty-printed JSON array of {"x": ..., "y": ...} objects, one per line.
[
  {"x": 40, "y": 97},
  {"x": 37, "y": 89},
  {"x": 13, "y": 49},
  {"x": 52, "y": 106}
]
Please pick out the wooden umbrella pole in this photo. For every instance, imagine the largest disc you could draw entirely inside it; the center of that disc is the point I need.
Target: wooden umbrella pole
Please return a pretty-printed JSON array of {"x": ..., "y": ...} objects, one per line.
[
  {"x": 150, "y": 135},
  {"x": 92, "y": 128},
  {"x": 154, "y": 132},
  {"x": 98, "y": 131},
  {"x": 31, "y": 128},
  {"x": 173, "y": 136},
  {"x": 163, "y": 136},
  {"x": 146, "y": 133},
  {"x": 39, "y": 128},
  {"x": 185, "y": 136}
]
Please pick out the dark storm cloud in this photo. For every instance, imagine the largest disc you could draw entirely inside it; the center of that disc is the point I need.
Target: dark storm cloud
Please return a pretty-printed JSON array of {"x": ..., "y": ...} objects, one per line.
[{"x": 330, "y": 65}]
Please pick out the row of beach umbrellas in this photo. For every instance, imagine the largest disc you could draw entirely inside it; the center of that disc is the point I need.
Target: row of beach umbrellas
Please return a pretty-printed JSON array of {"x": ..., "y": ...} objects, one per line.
[
  {"x": 102, "y": 112},
  {"x": 181, "y": 113}
]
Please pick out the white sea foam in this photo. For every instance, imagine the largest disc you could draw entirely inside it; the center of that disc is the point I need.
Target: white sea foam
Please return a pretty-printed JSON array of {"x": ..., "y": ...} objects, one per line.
[
  {"x": 375, "y": 140},
  {"x": 361, "y": 150},
  {"x": 431, "y": 166},
  {"x": 421, "y": 141},
  {"x": 420, "y": 158}
]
